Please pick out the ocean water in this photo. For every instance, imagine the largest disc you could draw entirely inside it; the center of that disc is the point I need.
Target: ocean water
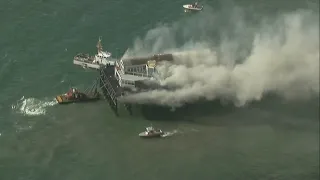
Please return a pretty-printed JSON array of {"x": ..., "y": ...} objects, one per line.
[{"x": 274, "y": 136}]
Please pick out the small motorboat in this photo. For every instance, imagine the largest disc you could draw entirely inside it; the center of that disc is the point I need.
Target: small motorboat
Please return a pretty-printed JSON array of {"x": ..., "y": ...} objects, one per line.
[
  {"x": 151, "y": 132},
  {"x": 74, "y": 96},
  {"x": 192, "y": 7}
]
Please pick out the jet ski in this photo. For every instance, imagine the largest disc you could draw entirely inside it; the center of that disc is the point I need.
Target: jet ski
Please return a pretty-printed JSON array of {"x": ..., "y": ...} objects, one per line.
[{"x": 151, "y": 132}]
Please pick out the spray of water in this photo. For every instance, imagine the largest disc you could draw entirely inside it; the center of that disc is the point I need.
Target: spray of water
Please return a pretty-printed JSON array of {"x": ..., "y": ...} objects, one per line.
[
  {"x": 234, "y": 59},
  {"x": 32, "y": 106}
]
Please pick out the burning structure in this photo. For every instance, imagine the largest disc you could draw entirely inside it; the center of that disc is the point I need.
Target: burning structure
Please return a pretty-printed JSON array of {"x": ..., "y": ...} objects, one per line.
[{"x": 124, "y": 76}]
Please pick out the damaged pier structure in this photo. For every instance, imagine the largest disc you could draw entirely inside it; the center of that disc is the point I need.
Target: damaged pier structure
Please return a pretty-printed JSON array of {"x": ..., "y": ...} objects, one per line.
[{"x": 120, "y": 77}]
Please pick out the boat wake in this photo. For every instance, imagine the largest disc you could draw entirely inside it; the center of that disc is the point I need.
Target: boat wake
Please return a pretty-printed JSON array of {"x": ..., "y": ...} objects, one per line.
[
  {"x": 169, "y": 133},
  {"x": 32, "y": 106}
]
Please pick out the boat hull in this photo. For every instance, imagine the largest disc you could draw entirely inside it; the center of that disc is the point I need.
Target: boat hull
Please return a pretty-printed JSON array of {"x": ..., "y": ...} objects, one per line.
[
  {"x": 87, "y": 64},
  {"x": 62, "y": 99},
  {"x": 156, "y": 135},
  {"x": 189, "y": 7}
]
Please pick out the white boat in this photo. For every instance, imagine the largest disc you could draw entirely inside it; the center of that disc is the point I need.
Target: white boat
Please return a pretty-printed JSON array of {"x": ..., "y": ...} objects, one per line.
[
  {"x": 192, "y": 7},
  {"x": 102, "y": 58},
  {"x": 151, "y": 132}
]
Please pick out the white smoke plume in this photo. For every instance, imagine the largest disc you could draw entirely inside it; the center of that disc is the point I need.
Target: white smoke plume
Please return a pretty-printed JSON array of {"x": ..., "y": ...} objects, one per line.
[{"x": 242, "y": 64}]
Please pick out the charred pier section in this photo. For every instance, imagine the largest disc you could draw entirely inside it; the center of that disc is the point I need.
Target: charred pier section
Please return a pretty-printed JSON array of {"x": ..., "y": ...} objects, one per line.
[
  {"x": 108, "y": 89},
  {"x": 111, "y": 88},
  {"x": 131, "y": 75}
]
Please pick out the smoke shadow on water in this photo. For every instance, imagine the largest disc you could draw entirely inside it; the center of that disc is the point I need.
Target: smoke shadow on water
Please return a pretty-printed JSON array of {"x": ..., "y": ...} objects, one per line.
[
  {"x": 271, "y": 111},
  {"x": 188, "y": 112}
]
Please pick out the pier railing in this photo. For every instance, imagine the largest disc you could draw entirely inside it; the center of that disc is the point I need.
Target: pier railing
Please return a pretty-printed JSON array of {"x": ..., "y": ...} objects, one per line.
[{"x": 138, "y": 74}]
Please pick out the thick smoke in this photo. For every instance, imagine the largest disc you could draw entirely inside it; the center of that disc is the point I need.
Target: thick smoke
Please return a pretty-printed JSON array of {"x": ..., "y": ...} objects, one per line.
[{"x": 223, "y": 57}]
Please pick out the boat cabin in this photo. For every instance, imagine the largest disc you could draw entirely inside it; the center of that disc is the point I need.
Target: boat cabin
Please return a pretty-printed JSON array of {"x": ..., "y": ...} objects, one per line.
[
  {"x": 102, "y": 58},
  {"x": 149, "y": 129}
]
